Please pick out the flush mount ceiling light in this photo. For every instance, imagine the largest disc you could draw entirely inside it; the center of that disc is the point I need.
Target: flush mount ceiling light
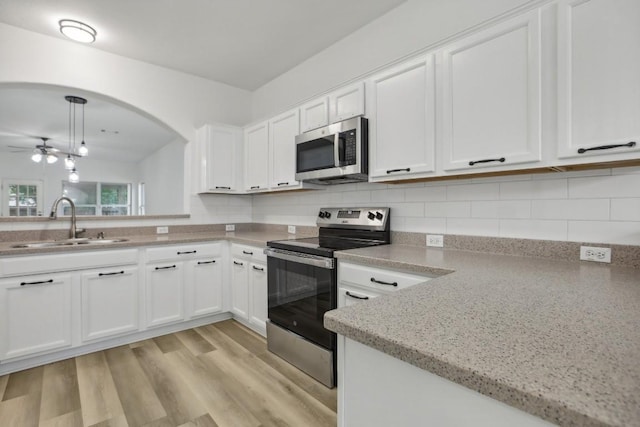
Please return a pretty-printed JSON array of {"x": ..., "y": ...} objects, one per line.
[{"x": 77, "y": 31}]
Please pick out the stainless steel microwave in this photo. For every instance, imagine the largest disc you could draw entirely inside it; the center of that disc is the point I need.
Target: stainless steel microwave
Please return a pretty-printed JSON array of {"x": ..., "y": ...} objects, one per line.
[{"x": 334, "y": 154}]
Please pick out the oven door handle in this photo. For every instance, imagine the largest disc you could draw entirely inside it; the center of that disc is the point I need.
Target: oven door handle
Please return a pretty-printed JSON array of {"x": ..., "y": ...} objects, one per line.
[{"x": 313, "y": 260}]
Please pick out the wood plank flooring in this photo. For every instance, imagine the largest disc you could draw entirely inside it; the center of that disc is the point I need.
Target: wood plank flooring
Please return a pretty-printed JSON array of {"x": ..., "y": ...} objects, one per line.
[{"x": 215, "y": 375}]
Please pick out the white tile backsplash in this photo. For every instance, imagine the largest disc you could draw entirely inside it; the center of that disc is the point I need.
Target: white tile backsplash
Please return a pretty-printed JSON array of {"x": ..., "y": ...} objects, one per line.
[{"x": 571, "y": 206}]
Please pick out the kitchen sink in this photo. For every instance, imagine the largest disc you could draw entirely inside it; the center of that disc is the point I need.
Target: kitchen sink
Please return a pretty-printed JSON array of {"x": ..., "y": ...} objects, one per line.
[{"x": 69, "y": 242}]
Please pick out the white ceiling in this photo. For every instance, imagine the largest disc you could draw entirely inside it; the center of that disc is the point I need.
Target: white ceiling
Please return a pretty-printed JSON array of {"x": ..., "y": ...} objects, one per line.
[
  {"x": 244, "y": 43},
  {"x": 29, "y": 112}
]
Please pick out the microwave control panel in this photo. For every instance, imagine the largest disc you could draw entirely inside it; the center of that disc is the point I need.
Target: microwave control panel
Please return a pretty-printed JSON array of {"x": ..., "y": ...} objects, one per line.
[{"x": 348, "y": 147}]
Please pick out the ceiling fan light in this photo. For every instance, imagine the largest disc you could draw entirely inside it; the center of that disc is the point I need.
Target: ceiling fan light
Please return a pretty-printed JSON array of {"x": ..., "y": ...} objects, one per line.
[
  {"x": 74, "y": 177},
  {"x": 77, "y": 31},
  {"x": 51, "y": 158},
  {"x": 36, "y": 156},
  {"x": 69, "y": 162},
  {"x": 83, "y": 150}
]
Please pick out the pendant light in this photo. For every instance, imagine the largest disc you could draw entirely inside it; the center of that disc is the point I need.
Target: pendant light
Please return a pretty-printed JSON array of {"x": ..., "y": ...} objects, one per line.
[
  {"x": 69, "y": 161},
  {"x": 74, "y": 177}
]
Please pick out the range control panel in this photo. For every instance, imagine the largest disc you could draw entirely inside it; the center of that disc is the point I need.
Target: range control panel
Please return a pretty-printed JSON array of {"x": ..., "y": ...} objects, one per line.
[{"x": 366, "y": 218}]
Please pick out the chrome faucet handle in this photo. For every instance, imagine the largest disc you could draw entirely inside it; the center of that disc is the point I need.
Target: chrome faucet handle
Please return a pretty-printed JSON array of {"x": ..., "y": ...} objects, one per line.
[
  {"x": 101, "y": 235},
  {"x": 80, "y": 230}
]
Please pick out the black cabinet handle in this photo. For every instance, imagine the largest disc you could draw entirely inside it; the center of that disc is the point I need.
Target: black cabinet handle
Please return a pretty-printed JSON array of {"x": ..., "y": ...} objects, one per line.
[
  {"x": 187, "y": 252},
  {"x": 257, "y": 268},
  {"x": 111, "y": 274},
  {"x": 255, "y": 187},
  {"x": 399, "y": 170},
  {"x": 607, "y": 147},
  {"x": 238, "y": 263},
  {"x": 475, "y": 162},
  {"x": 247, "y": 253},
  {"x": 380, "y": 282},
  {"x": 165, "y": 268},
  {"x": 222, "y": 188},
  {"x": 206, "y": 262},
  {"x": 282, "y": 183},
  {"x": 37, "y": 283},
  {"x": 349, "y": 294}
]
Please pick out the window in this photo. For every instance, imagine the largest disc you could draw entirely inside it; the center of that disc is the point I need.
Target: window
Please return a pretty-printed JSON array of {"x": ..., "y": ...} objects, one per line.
[
  {"x": 98, "y": 198},
  {"x": 22, "y": 198}
]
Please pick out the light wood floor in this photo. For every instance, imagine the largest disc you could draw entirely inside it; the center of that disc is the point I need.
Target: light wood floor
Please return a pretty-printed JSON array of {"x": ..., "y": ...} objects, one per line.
[{"x": 215, "y": 375}]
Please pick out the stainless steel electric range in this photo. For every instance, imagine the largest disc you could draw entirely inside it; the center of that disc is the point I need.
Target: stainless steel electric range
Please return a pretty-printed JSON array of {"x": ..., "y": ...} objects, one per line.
[{"x": 302, "y": 282}]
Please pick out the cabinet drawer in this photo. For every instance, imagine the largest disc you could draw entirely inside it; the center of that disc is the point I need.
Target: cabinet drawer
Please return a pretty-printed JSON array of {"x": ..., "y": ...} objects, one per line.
[
  {"x": 376, "y": 278},
  {"x": 350, "y": 295},
  {"x": 66, "y": 261},
  {"x": 187, "y": 251},
  {"x": 250, "y": 253}
]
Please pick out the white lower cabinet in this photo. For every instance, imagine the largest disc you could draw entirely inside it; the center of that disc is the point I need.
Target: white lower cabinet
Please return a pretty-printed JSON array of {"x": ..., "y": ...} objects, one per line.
[
  {"x": 204, "y": 286},
  {"x": 249, "y": 293},
  {"x": 165, "y": 290},
  {"x": 35, "y": 314},
  {"x": 109, "y": 302}
]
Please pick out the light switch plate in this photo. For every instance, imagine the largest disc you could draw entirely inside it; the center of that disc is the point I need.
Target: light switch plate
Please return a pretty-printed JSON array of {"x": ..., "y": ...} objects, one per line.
[
  {"x": 230, "y": 227},
  {"x": 162, "y": 230},
  {"x": 291, "y": 229},
  {"x": 435, "y": 240}
]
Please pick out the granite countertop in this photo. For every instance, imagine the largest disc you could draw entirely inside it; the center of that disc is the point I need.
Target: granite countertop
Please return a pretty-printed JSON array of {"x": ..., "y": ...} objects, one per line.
[
  {"x": 254, "y": 238},
  {"x": 557, "y": 339}
]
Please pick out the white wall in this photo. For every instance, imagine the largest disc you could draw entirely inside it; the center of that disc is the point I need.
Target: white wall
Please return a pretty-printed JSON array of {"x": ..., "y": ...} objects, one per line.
[
  {"x": 411, "y": 27},
  {"x": 163, "y": 175},
  {"x": 592, "y": 206}
]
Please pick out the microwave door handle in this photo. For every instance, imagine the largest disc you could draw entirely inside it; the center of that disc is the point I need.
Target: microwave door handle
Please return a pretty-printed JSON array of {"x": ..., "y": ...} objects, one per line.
[{"x": 336, "y": 149}]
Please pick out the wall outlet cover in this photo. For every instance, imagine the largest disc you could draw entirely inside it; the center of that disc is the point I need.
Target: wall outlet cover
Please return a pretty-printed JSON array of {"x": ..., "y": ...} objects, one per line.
[
  {"x": 593, "y": 253},
  {"x": 291, "y": 229},
  {"x": 435, "y": 240},
  {"x": 230, "y": 227},
  {"x": 162, "y": 230}
]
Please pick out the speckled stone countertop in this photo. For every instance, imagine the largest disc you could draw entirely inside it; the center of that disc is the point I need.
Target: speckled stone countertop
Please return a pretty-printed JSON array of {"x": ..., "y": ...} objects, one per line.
[
  {"x": 557, "y": 339},
  {"x": 254, "y": 238}
]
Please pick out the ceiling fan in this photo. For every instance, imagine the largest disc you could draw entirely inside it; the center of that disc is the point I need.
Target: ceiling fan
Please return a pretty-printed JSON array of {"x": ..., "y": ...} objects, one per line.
[{"x": 44, "y": 151}]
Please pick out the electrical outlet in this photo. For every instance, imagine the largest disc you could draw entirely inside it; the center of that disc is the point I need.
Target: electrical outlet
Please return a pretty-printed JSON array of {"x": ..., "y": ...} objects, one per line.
[
  {"x": 162, "y": 230},
  {"x": 291, "y": 229},
  {"x": 591, "y": 253},
  {"x": 230, "y": 227},
  {"x": 435, "y": 240}
]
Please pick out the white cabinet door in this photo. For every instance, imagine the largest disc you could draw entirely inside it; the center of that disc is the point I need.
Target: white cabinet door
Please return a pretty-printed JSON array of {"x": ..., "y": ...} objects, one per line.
[
  {"x": 219, "y": 148},
  {"x": 598, "y": 79},
  {"x": 256, "y": 172},
  {"x": 314, "y": 114},
  {"x": 240, "y": 288},
  {"x": 402, "y": 125},
  {"x": 109, "y": 302},
  {"x": 282, "y": 137},
  {"x": 259, "y": 296},
  {"x": 346, "y": 103},
  {"x": 35, "y": 314},
  {"x": 491, "y": 97},
  {"x": 204, "y": 286},
  {"x": 165, "y": 290}
]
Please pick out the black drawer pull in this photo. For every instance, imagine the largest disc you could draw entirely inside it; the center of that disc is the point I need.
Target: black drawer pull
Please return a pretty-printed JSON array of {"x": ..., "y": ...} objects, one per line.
[
  {"x": 222, "y": 188},
  {"x": 111, "y": 274},
  {"x": 380, "y": 282},
  {"x": 282, "y": 183},
  {"x": 475, "y": 162},
  {"x": 187, "y": 252},
  {"x": 607, "y": 147},
  {"x": 255, "y": 187},
  {"x": 206, "y": 262},
  {"x": 165, "y": 268},
  {"x": 349, "y": 294},
  {"x": 257, "y": 268},
  {"x": 399, "y": 170},
  {"x": 247, "y": 253},
  {"x": 37, "y": 283},
  {"x": 238, "y": 263}
]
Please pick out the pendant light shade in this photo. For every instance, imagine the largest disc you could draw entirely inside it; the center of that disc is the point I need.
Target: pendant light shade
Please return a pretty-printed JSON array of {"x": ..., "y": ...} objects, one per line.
[
  {"x": 69, "y": 162},
  {"x": 74, "y": 177},
  {"x": 83, "y": 150}
]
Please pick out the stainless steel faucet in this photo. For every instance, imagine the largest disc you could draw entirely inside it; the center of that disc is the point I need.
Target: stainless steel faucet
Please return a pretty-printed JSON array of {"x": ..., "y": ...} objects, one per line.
[{"x": 74, "y": 231}]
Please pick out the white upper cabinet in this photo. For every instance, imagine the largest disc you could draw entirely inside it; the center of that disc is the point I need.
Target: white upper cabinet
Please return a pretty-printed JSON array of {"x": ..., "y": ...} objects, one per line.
[
  {"x": 282, "y": 137},
  {"x": 491, "y": 97},
  {"x": 256, "y": 149},
  {"x": 598, "y": 80},
  {"x": 220, "y": 158},
  {"x": 314, "y": 114},
  {"x": 346, "y": 103},
  {"x": 402, "y": 121}
]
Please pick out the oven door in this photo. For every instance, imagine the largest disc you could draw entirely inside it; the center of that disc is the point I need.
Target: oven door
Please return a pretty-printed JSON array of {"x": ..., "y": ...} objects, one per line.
[{"x": 301, "y": 289}]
